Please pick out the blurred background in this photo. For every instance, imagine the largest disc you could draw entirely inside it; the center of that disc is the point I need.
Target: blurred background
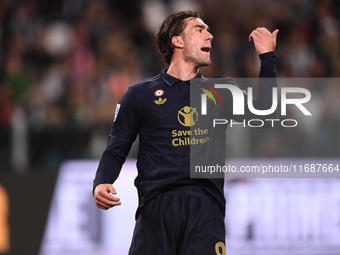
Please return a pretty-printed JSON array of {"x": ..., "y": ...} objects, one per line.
[{"x": 64, "y": 65}]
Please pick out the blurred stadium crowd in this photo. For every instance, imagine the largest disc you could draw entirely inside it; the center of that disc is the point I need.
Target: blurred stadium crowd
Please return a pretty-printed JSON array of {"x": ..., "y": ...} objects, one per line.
[{"x": 65, "y": 64}]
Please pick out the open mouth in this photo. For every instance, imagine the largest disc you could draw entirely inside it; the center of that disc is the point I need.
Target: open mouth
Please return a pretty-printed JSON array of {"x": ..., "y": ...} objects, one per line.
[{"x": 206, "y": 49}]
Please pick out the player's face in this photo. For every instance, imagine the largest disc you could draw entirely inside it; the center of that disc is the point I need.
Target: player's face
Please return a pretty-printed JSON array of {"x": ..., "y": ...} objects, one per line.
[{"x": 197, "y": 42}]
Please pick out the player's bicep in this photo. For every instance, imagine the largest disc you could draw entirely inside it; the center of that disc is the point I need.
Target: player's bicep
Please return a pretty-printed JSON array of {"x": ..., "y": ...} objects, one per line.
[{"x": 126, "y": 120}]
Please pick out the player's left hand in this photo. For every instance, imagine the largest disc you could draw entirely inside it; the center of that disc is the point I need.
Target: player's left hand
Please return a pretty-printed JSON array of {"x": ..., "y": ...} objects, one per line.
[{"x": 264, "y": 41}]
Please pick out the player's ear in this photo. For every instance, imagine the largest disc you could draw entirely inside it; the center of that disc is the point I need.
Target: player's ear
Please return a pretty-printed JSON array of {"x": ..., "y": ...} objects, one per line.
[{"x": 177, "y": 41}]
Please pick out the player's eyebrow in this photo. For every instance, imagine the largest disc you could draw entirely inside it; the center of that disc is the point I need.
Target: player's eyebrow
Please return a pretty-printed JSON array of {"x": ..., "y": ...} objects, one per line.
[{"x": 203, "y": 27}]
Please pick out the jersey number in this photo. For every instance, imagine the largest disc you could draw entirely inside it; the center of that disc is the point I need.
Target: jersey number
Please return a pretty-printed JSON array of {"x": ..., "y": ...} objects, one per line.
[{"x": 220, "y": 248}]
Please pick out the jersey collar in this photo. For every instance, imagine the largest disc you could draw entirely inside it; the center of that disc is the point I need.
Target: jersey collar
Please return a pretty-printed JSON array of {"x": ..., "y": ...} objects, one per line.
[{"x": 170, "y": 80}]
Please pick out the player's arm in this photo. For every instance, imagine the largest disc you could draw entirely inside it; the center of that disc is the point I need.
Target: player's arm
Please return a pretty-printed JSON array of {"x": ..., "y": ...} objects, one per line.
[
  {"x": 123, "y": 133},
  {"x": 108, "y": 170},
  {"x": 265, "y": 43}
]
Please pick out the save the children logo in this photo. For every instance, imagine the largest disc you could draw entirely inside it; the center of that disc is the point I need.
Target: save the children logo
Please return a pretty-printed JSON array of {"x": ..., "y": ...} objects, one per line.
[{"x": 187, "y": 116}]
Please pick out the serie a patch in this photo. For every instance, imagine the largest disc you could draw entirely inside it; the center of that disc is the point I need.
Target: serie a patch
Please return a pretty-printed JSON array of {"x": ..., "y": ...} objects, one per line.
[{"x": 116, "y": 112}]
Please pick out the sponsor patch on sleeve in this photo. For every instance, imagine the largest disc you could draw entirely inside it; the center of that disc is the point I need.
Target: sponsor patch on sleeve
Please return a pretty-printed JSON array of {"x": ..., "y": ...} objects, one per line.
[{"x": 116, "y": 112}]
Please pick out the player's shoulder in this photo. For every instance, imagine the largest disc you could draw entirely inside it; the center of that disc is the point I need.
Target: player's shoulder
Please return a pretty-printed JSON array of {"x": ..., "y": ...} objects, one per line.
[
  {"x": 221, "y": 78},
  {"x": 218, "y": 76},
  {"x": 147, "y": 84},
  {"x": 141, "y": 90}
]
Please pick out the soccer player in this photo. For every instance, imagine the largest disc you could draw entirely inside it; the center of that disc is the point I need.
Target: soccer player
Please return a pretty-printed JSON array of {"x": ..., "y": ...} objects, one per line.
[{"x": 177, "y": 215}]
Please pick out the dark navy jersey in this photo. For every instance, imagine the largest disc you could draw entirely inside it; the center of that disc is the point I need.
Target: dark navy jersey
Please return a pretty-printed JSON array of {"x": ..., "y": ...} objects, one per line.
[{"x": 159, "y": 111}]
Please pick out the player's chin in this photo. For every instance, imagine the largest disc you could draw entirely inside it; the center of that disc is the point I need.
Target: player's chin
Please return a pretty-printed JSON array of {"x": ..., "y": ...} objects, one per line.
[
  {"x": 203, "y": 61},
  {"x": 206, "y": 63}
]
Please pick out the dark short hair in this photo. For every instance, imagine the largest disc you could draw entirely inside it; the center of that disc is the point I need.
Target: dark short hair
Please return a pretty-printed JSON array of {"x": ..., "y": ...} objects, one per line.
[{"x": 172, "y": 26}]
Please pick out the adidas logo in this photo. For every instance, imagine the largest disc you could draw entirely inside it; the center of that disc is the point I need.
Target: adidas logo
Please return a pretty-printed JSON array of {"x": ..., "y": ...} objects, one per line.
[{"x": 160, "y": 101}]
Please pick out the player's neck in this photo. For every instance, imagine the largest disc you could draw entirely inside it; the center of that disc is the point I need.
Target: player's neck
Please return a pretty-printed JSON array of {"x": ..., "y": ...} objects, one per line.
[{"x": 182, "y": 71}]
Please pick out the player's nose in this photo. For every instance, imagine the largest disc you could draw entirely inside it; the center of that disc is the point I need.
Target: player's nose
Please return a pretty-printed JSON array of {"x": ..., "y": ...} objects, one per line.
[{"x": 210, "y": 37}]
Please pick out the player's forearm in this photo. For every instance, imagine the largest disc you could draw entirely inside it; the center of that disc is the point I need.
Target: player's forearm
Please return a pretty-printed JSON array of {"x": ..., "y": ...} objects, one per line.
[
  {"x": 267, "y": 69},
  {"x": 267, "y": 81},
  {"x": 112, "y": 160}
]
